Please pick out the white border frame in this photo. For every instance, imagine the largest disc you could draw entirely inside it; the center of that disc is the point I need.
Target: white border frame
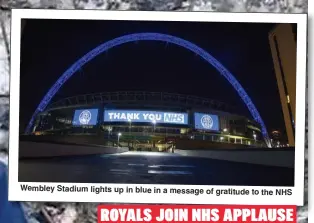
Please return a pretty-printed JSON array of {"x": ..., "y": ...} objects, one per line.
[
  {"x": 15, "y": 194},
  {"x": 310, "y": 110}
]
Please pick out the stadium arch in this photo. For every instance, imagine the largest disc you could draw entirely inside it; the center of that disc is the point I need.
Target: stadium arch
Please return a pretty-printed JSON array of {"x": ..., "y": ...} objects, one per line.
[{"x": 150, "y": 37}]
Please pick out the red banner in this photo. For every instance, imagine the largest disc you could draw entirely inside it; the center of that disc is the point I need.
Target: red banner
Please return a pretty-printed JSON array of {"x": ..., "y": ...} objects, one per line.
[{"x": 196, "y": 213}]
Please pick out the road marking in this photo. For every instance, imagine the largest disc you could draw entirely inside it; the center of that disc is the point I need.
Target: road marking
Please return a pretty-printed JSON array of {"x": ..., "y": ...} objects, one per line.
[
  {"x": 136, "y": 164},
  {"x": 120, "y": 171},
  {"x": 180, "y": 166},
  {"x": 170, "y": 172}
]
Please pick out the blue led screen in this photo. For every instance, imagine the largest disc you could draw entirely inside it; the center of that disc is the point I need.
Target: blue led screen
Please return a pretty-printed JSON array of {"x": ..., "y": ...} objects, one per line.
[
  {"x": 206, "y": 122},
  {"x": 146, "y": 116},
  {"x": 85, "y": 117}
]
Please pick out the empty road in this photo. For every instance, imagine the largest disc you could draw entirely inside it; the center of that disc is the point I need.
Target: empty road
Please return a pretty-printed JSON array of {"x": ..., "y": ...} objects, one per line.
[{"x": 151, "y": 168}]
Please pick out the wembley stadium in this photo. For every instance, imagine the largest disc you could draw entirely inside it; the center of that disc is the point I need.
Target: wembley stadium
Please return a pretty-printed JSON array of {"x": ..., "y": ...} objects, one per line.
[{"x": 152, "y": 121}]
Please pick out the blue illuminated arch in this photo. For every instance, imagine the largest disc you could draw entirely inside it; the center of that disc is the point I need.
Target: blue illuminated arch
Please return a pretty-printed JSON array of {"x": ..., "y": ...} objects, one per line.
[{"x": 155, "y": 37}]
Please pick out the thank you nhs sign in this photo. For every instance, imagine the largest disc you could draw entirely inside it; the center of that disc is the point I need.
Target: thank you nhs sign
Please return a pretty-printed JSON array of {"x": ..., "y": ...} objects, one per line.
[
  {"x": 146, "y": 116},
  {"x": 85, "y": 117},
  {"x": 206, "y": 122}
]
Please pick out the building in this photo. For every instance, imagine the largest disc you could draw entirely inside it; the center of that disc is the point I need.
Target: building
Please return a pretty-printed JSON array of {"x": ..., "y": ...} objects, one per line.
[
  {"x": 149, "y": 119},
  {"x": 283, "y": 47}
]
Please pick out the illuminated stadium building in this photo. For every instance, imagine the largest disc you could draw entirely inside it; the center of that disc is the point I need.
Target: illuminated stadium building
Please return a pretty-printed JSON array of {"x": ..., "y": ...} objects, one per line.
[{"x": 150, "y": 118}]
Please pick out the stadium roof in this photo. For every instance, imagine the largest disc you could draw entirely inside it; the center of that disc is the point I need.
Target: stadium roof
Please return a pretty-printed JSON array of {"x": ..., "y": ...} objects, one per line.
[{"x": 141, "y": 97}]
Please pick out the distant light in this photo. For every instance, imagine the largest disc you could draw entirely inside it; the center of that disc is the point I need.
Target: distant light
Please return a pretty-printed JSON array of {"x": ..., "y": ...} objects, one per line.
[
  {"x": 288, "y": 145},
  {"x": 225, "y": 130},
  {"x": 154, "y": 121},
  {"x": 119, "y": 134},
  {"x": 221, "y": 138}
]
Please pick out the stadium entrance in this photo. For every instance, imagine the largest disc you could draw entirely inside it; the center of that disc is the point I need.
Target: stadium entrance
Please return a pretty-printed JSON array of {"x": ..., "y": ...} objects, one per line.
[{"x": 136, "y": 141}]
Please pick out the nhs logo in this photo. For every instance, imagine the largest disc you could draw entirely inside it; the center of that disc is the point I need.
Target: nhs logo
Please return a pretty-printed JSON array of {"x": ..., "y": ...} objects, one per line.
[{"x": 175, "y": 118}]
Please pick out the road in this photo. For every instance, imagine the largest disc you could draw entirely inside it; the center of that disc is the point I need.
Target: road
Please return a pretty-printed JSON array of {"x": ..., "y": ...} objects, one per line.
[{"x": 151, "y": 168}]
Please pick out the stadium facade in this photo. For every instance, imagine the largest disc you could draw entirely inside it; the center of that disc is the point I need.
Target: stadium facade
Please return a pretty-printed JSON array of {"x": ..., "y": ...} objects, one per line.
[{"x": 151, "y": 118}]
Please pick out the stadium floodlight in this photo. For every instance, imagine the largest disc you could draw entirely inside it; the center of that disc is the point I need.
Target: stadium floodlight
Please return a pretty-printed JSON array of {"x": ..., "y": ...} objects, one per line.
[{"x": 149, "y": 37}]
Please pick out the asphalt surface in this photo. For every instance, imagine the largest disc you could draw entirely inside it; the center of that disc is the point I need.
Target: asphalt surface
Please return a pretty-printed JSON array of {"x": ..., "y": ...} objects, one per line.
[{"x": 151, "y": 168}]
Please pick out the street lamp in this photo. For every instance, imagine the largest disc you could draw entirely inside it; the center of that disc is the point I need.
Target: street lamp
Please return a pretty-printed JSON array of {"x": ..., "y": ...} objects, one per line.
[
  {"x": 154, "y": 123},
  {"x": 130, "y": 123},
  {"x": 119, "y": 134},
  {"x": 109, "y": 131},
  {"x": 254, "y": 135}
]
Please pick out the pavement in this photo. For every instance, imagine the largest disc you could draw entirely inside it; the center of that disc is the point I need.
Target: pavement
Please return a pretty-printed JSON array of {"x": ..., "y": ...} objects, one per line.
[
  {"x": 28, "y": 149},
  {"x": 151, "y": 168}
]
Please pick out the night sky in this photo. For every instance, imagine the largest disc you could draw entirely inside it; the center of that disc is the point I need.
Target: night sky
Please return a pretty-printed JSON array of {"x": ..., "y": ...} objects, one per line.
[{"x": 49, "y": 47}]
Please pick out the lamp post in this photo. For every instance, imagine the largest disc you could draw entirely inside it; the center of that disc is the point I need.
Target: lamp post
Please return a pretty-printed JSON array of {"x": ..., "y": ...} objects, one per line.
[
  {"x": 119, "y": 134},
  {"x": 109, "y": 131},
  {"x": 154, "y": 123},
  {"x": 225, "y": 131},
  {"x": 130, "y": 125},
  {"x": 254, "y": 135}
]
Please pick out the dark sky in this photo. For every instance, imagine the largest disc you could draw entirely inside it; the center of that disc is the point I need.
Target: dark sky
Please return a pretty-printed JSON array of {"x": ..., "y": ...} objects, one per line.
[{"x": 49, "y": 47}]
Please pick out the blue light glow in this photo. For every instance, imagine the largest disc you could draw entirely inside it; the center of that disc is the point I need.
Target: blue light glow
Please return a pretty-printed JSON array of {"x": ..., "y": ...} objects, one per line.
[{"x": 150, "y": 37}]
